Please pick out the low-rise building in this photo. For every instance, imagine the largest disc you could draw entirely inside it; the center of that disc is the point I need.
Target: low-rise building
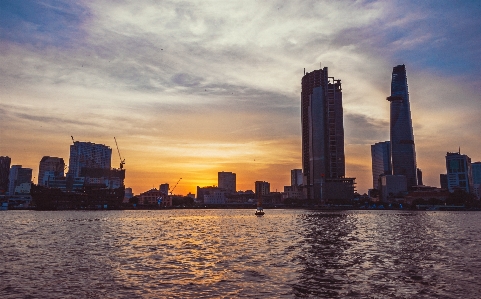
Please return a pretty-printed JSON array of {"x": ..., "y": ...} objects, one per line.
[{"x": 155, "y": 197}]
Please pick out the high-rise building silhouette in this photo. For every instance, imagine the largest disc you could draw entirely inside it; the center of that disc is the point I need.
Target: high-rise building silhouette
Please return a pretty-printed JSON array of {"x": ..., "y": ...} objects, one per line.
[
  {"x": 50, "y": 168},
  {"x": 381, "y": 161},
  {"x": 322, "y": 131},
  {"x": 262, "y": 188},
  {"x": 4, "y": 173},
  {"x": 88, "y": 155},
  {"x": 227, "y": 181},
  {"x": 459, "y": 173},
  {"x": 403, "y": 153},
  {"x": 18, "y": 176},
  {"x": 296, "y": 177}
]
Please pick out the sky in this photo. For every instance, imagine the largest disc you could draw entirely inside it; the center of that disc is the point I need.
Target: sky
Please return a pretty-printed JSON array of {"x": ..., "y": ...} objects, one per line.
[{"x": 191, "y": 88}]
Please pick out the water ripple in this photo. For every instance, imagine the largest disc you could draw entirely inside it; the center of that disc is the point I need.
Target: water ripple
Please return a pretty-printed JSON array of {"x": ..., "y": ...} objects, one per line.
[{"x": 233, "y": 254}]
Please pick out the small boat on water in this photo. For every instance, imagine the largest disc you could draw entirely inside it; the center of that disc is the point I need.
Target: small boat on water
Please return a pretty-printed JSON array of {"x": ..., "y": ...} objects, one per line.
[{"x": 259, "y": 211}]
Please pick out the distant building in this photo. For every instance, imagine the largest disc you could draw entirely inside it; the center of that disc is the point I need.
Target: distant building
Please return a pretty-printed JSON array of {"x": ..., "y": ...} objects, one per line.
[
  {"x": 294, "y": 192},
  {"x": 110, "y": 178},
  {"x": 427, "y": 193},
  {"x": 403, "y": 154},
  {"x": 420, "y": 177},
  {"x": 337, "y": 190},
  {"x": 210, "y": 190},
  {"x": 50, "y": 168},
  {"x": 216, "y": 197},
  {"x": 393, "y": 186},
  {"x": 476, "y": 171},
  {"x": 4, "y": 173},
  {"x": 381, "y": 161},
  {"x": 18, "y": 175},
  {"x": 247, "y": 196},
  {"x": 262, "y": 188},
  {"x": 128, "y": 194},
  {"x": 443, "y": 181},
  {"x": 88, "y": 155},
  {"x": 296, "y": 177},
  {"x": 164, "y": 188},
  {"x": 227, "y": 181},
  {"x": 322, "y": 131},
  {"x": 154, "y": 197},
  {"x": 458, "y": 168}
]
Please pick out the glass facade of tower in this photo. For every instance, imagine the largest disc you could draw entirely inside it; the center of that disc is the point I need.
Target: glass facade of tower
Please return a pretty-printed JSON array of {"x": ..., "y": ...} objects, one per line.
[
  {"x": 459, "y": 172},
  {"x": 322, "y": 131},
  {"x": 88, "y": 155},
  {"x": 403, "y": 153},
  {"x": 381, "y": 161}
]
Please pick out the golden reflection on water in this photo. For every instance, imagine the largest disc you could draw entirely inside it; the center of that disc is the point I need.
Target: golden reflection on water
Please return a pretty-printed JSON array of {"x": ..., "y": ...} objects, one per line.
[{"x": 233, "y": 254}]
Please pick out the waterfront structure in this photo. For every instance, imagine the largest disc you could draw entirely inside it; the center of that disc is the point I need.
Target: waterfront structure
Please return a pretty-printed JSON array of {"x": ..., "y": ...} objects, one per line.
[
  {"x": 216, "y": 197},
  {"x": 262, "y": 188},
  {"x": 4, "y": 173},
  {"x": 459, "y": 173},
  {"x": 293, "y": 192},
  {"x": 296, "y": 177},
  {"x": 18, "y": 176},
  {"x": 227, "y": 181},
  {"x": 88, "y": 155},
  {"x": 393, "y": 186},
  {"x": 49, "y": 169},
  {"x": 381, "y": 161},
  {"x": 209, "y": 190},
  {"x": 322, "y": 131},
  {"x": 154, "y": 197},
  {"x": 403, "y": 152}
]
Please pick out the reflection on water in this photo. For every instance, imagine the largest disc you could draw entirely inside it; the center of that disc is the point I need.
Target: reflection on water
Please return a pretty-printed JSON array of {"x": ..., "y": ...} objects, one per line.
[{"x": 233, "y": 254}]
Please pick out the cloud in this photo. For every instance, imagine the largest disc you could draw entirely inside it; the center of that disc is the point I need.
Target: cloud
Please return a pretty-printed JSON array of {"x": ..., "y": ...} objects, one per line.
[
  {"x": 225, "y": 75},
  {"x": 361, "y": 129}
]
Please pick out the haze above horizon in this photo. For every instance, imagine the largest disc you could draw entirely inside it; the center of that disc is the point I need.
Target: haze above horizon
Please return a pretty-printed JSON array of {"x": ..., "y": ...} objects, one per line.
[{"x": 190, "y": 89}]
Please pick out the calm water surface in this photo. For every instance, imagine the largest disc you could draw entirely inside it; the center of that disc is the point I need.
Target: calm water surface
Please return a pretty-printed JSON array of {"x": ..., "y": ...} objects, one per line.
[{"x": 234, "y": 254}]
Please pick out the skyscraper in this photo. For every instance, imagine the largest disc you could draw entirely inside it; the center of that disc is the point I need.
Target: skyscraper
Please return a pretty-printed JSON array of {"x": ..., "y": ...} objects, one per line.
[
  {"x": 227, "y": 181},
  {"x": 88, "y": 155},
  {"x": 322, "y": 131},
  {"x": 381, "y": 161},
  {"x": 4, "y": 173},
  {"x": 403, "y": 154}
]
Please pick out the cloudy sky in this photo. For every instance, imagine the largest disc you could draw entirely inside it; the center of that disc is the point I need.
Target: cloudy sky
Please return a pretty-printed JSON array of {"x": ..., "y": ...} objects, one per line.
[{"x": 191, "y": 88}]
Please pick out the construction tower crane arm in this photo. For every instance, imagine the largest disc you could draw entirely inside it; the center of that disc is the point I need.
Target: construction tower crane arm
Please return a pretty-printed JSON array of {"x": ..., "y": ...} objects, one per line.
[
  {"x": 122, "y": 162},
  {"x": 175, "y": 186}
]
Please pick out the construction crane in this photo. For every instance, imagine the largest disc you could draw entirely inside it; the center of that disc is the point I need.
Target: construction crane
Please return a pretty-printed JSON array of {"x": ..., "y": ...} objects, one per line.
[
  {"x": 122, "y": 162},
  {"x": 175, "y": 186}
]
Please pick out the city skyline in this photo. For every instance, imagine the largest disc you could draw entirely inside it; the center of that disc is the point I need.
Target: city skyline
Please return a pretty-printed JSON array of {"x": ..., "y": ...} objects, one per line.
[{"x": 193, "y": 89}]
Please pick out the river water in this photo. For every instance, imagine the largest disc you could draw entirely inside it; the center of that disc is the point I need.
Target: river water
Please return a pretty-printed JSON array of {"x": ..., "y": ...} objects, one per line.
[{"x": 234, "y": 254}]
